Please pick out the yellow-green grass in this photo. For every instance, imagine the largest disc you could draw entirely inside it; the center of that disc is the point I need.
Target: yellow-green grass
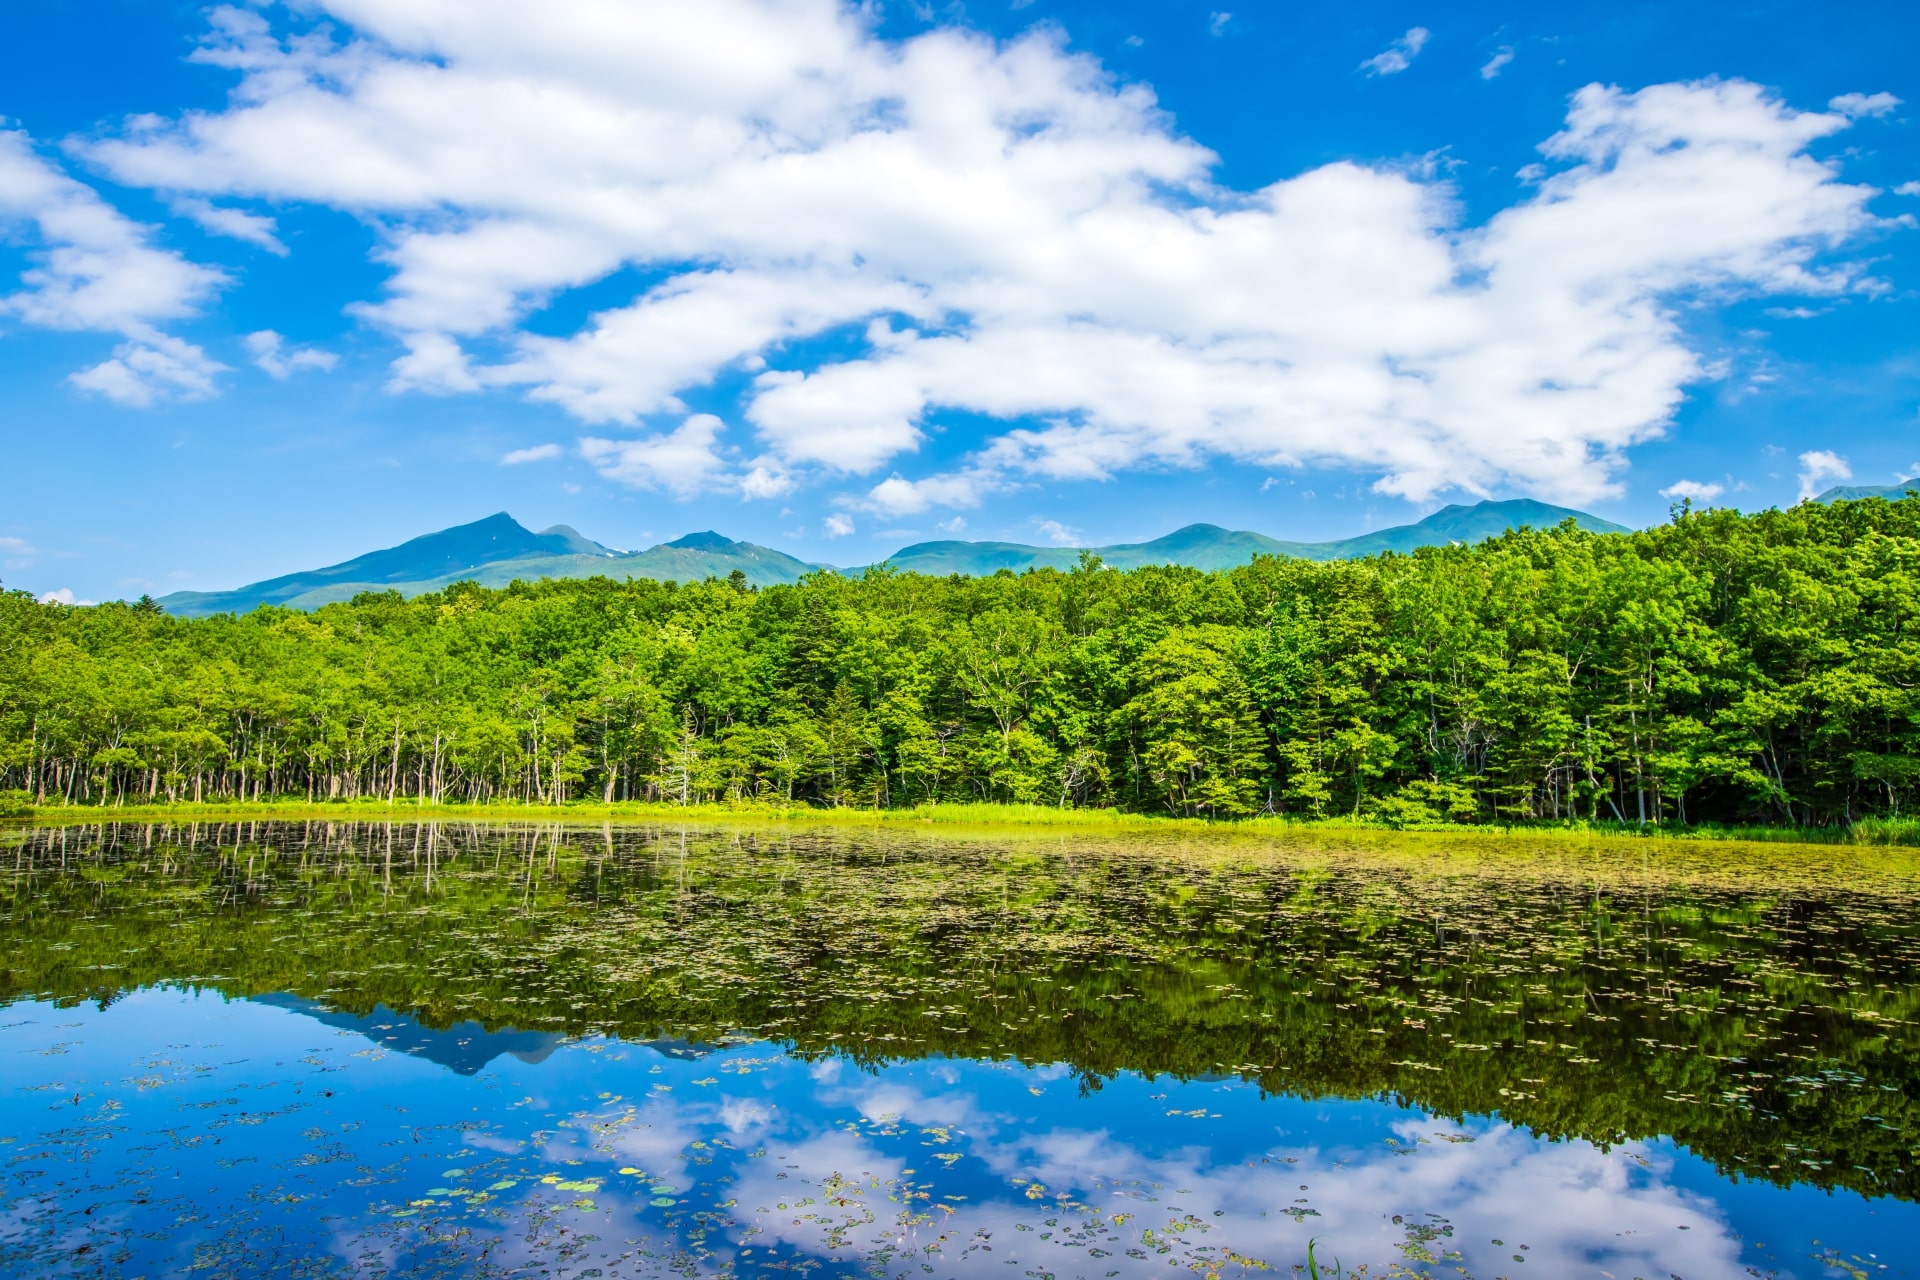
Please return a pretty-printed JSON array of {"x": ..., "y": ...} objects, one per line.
[{"x": 1881, "y": 831}]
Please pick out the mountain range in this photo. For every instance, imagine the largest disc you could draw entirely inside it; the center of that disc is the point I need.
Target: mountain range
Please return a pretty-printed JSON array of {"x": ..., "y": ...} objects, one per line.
[{"x": 499, "y": 550}]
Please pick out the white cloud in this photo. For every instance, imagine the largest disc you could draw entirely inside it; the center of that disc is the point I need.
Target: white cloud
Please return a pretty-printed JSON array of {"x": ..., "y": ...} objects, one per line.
[
  {"x": 271, "y": 354},
  {"x": 1217, "y": 23},
  {"x": 957, "y": 525},
  {"x": 682, "y": 461},
  {"x": 1058, "y": 534},
  {"x": 96, "y": 270},
  {"x": 1907, "y": 189},
  {"x": 896, "y": 496},
  {"x": 1399, "y": 55},
  {"x": 1862, "y": 106},
  {"x": 536, "y": 453},
  {"x": 147, "y": 371},
  {"x": 838, "y": 525},
  {"x": 1693, "y": 491},
  {"x": 1497, "y": 63},
  {"x": 766, "y": 479},
  {"x": 999, "y": 231},
  {"x": 237, "y": 224},
  {"x": 1819, "y": 467},
  {"x": 63, "y": 596}
]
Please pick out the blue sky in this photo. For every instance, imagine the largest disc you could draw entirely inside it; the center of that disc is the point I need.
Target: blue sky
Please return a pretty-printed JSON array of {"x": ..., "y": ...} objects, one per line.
[{"x": 280, "y": 284}]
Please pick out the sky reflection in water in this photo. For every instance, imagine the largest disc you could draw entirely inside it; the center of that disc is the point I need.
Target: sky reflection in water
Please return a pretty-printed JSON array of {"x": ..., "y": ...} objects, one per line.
[
  {"x": 175, "y": 1130},
  {"x": 180, "y": 1129}
]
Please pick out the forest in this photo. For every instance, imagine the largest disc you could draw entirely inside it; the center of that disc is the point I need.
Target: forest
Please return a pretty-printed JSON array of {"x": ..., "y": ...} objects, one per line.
[{"x": 1717, "y": 668}]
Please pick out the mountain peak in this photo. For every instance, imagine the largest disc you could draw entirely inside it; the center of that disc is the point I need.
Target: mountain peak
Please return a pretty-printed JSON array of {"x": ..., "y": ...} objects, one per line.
[
  {"x": 564, "y": 539},
  {"x": 707, "y": 541}
]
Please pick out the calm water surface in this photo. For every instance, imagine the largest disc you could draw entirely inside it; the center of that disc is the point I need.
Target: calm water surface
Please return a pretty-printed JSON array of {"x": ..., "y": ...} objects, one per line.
[{"x": 334, "y": 1050}]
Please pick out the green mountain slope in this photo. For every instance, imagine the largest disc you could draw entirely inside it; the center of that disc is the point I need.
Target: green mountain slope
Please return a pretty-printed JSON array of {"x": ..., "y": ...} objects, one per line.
[
  {"x": 1855, "y": 492},
  {"x": 495, "y": 552},
  {"x": 1207, "y": 546}
]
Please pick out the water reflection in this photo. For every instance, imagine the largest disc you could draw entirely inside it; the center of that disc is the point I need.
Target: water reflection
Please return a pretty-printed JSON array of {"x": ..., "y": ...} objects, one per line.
[
  {"x": 171, "y": 1131},
  {"x": 464, "y": 1047},
  {"x": 731, "y": 1053}
]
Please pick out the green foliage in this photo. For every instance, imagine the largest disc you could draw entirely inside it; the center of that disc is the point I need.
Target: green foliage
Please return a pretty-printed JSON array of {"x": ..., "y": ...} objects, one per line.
[{"x": 1718, "y": 669}]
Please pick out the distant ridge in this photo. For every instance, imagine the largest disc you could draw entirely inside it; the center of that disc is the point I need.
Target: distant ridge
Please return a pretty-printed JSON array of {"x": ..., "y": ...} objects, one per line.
[
  {"x": 494, "y": 552},
  {"x": 1207, "y": 546},
  {"x": 1855, "y": 492},
  {"x": 499, "y": 550}
]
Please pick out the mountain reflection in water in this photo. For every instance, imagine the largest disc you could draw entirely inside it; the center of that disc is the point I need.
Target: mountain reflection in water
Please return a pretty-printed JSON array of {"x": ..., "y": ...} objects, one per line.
[
  {"x": 498, "y": 1050},
  {"x": 464, "y": 1047}
]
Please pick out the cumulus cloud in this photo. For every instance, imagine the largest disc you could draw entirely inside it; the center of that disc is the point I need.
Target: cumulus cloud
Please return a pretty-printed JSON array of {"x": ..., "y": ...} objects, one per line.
[
  {"x": 94, "y": 269},
  {"x": 1907, "y": 189},
  {"x": 63, "y": 596},
  {"x": 536, "y": 453},
  {"x": 837, "y": 525},
  {"x": 1819, "y": 468},
  {"x": 274, "y": 357},
  {"x": 1000, "y": 232},
  {"x": 897, "y": 496},
  {"x": 1861, "y": 106},
  {"x": 767, "y": 480},
  {"x": 682, "y": 461},
  {"x": 1497, "y": 63},
  {"x": 1693, "y": 491},
  {"x": 1399, "y": 55}
]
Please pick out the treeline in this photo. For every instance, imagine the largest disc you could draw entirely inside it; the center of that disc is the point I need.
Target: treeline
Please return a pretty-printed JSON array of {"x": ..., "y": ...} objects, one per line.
[{"x": 1721, "y": 667}]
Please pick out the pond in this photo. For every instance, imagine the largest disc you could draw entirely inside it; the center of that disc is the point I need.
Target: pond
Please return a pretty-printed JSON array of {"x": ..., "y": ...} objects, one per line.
[{"x": 319, "y": 1050}]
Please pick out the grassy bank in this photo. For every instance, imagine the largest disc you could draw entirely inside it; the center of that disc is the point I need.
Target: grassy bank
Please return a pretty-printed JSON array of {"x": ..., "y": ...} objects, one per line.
[{"x": 1872, "y": 831}]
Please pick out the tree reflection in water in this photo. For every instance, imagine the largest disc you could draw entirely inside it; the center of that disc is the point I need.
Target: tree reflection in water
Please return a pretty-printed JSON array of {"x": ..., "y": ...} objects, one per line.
[{"x": 969, "y": 1050}]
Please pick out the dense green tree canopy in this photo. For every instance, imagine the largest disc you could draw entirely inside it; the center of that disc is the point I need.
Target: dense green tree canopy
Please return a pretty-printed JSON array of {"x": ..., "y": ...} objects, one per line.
[{"x": 1721, "y": 667}]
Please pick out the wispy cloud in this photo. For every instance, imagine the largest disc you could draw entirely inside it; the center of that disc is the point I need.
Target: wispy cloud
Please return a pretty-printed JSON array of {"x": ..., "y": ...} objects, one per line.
[
  {"x": 535, "y": 453},
  {"x": 1692, "y": 490},
  {"x": 838, "y": 525},
  {"x": 1399, "y": 55},
  {"x": 236, "y": 224},
  {"x": 276, "y": 359},
  {"x": 1863, "y": 106},
  {"x": 1497, "y": 63},
  {"x": 1058, "y": 534}
]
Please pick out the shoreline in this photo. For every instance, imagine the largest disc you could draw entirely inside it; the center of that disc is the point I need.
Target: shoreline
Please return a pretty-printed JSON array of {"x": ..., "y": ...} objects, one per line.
[{"x": 1872, "y": 832}]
